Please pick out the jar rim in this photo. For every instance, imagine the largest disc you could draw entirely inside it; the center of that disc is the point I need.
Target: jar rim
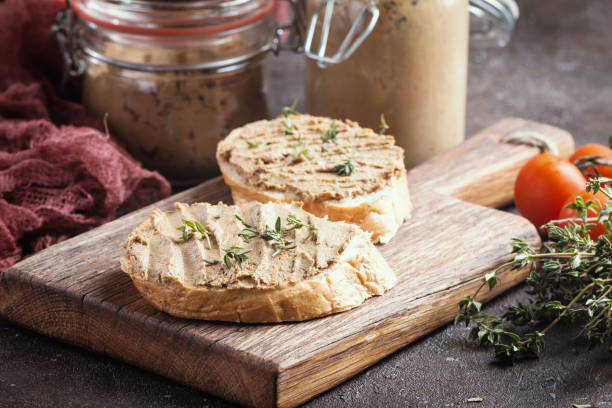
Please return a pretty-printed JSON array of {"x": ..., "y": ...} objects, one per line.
[{"x": 172, "y": 18}]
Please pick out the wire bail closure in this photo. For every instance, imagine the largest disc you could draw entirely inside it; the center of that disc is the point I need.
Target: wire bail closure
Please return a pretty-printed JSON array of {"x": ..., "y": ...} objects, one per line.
[
  {"x": 296, "y": 30},
  {"x": 351, "y": 42},
  {"x": 300, "y": 39}
]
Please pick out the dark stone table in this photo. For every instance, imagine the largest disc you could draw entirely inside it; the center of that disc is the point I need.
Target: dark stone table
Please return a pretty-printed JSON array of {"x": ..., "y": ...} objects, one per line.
[{"x": 558, "y": 69}]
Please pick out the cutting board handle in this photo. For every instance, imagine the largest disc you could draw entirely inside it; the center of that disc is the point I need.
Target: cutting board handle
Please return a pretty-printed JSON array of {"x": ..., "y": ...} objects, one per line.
[{"x": 482, "y": 170}]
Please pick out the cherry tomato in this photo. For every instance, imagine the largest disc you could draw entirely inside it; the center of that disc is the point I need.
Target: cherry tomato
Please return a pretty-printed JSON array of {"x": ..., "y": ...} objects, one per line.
[
  {"x": 543, "y": 185},
  {"x": 600, "y": 200},
  {"x": 594, "y": 149}
]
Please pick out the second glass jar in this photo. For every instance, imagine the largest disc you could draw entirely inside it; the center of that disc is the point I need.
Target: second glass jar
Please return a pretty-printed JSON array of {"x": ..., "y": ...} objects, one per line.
[
  {"x": 412, "y": 68},
  {"x": 174, "y": 80}
]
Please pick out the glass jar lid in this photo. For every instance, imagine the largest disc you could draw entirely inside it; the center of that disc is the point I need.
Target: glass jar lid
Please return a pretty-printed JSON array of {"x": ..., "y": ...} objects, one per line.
[
  {"x": 165, "y": 35},
  {"x": 168, "y": 17}
]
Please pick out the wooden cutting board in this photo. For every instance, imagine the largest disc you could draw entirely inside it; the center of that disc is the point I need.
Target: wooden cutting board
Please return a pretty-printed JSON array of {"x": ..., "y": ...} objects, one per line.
[{"x": 76, "y": 292}]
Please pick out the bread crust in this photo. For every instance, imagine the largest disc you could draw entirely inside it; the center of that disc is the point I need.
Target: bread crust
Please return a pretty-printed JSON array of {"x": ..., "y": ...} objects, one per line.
[{"x": 380, "y": 213}]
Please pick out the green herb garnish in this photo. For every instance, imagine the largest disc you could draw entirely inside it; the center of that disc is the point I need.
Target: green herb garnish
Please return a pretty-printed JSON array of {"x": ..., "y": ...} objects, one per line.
[
  {"x": 296, "y": 224},
  {"x": 312, "y": 233},
  {"x": 211, "y": 261},
  {"x": 253, "y": 145},
  {"x": 187, "y": 232},
  {"x": 246, "y": 224},
  {"x": 290, "y": 110},
  {"x": 288, "y": 128},
  {"x": 275, "y": 234},
  {"x": 300, "y": 149},
  {"x": 282, "y": 246},
  {"x": 190, "y": 227},
  {"x": 570, "y": 279},
  {"x": 279, "y": 239},
  {"x": 346, "y": 168},
  {"x": 330, "y": 134},
  {"x": 237, "y": 253},
  {"x": 248, "y": 233},
  {"x": 383, "y": 125}
]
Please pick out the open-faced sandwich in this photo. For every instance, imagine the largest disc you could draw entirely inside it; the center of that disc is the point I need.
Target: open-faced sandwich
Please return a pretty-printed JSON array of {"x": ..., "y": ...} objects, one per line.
[
  {"x": 252, "y": 262},
  {"x": 334, "y": 168}
]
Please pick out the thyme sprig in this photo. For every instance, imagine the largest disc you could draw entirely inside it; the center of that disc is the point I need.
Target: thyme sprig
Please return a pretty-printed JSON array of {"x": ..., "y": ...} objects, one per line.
[
  {"x": 330, "y": 134},
  {"x": 253, "y": 145},
  {"x": 383, "y": 125},
  {"x": 570, "y": 279},
  {"x": 191, "y": 227},
  {"x": 237, "y": 253},
  {"x": 296, "y": 223},
  {"x": 300, "y": 149},
  {"x": 345, "y": 168},
  {"x": 277, "y": 235},
  {"x": 591, "y": 162},
  {"x": 288, "y": 128},
  {"x": 291, "y": 110}
]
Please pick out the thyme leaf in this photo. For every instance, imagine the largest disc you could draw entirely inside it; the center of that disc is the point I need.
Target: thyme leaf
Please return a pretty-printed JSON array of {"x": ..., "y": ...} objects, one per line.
[
  {"x": 275, "y": 234},
  {"x": 383, "y": 125},
  {"x": 237, "y": 253},
  {"x": 288, "y": 128},
  {"x": 211, "y": 261},
  {"x": 253, "y": 145},
  {"x": 246, "y": 224},
  {"x": 282, "y": 246},
  {"x": 346, "y": 168},
  {"x": 190, "y": 227},
  {"x": 296, "y": 224},
  {"x": 248, "y": 233},
  {"x": 187, "y": 232},
  {"x": 312, "y": 233},
  {"x": 330, "y": 134},
  {"x": 290, "y": 110},
  {"x": 300, "y": 149}
]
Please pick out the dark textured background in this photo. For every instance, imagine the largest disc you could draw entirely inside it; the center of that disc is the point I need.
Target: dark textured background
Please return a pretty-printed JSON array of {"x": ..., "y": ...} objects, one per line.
[{"x": 558, "y": 70}]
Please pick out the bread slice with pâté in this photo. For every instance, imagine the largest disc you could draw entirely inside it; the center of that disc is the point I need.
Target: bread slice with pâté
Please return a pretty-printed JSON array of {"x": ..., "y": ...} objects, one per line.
[
  {"x": 252, "y": 262},
  {"x": 333, "y": 168}
]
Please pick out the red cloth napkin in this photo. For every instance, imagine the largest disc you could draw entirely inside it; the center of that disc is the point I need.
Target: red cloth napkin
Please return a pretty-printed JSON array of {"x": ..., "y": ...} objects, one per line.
[{"x": 60, "y": 173}]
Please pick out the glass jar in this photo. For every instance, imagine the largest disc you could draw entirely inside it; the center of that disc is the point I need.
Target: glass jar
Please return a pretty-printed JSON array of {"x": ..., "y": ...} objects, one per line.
[
  {"x": 412, "y": 67},
  {"x": 173, "y": 78}
]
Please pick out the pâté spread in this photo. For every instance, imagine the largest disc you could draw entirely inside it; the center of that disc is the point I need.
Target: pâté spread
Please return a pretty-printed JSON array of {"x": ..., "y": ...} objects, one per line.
[
  {"x": 313, "y": 158},
  {"x": 159, "y": 250}
]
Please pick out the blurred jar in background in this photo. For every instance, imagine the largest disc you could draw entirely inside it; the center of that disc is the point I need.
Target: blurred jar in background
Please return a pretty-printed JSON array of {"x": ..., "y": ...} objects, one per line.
[
  {"x": 412, "y": 67},
  {"x": 173, "y": 77}
]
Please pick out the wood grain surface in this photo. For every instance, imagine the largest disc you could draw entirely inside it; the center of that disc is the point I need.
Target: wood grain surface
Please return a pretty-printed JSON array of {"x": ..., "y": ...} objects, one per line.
[{"x": 76, "y": 292}]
